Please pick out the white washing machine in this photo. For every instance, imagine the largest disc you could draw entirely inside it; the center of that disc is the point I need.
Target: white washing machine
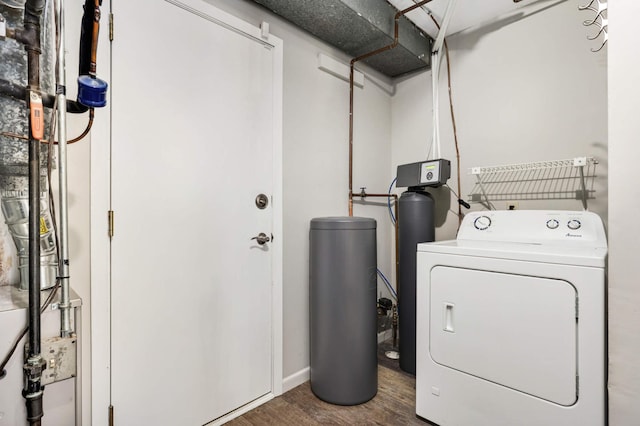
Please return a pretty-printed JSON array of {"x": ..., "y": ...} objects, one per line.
[{"x": 511, "y": 321}]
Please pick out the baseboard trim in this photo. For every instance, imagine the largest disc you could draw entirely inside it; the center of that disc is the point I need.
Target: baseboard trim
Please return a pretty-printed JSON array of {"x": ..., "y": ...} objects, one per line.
[{"x": 295, "y": 379}]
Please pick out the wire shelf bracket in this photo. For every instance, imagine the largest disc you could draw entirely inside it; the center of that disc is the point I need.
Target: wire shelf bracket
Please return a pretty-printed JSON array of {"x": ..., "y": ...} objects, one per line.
[{"x": 571, "y": 179}]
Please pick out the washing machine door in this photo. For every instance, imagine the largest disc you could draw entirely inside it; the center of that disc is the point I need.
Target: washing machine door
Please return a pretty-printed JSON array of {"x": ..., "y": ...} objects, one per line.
[{"x": 513, "y": 330}]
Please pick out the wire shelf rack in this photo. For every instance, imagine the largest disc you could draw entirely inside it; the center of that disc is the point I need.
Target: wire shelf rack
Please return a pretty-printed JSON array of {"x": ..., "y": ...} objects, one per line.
[{"x": 543, "y": 180}]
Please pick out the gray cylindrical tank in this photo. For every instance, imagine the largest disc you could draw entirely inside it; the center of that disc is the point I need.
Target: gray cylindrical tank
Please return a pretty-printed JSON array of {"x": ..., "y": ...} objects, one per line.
[
  {"x": 416, "y": 225},
  {"x": 342, "y": 305}
]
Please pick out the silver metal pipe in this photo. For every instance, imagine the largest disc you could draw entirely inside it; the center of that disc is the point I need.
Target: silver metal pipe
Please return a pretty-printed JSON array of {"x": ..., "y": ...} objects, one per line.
[{"x": 65, "y": 307}]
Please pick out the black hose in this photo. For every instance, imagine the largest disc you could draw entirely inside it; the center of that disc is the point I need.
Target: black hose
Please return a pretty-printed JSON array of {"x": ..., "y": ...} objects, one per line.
[{"x": 86, "y": 36}]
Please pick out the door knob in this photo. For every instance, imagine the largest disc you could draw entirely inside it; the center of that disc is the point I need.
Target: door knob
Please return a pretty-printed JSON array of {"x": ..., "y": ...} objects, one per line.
[{"x": 262, "y": 238}]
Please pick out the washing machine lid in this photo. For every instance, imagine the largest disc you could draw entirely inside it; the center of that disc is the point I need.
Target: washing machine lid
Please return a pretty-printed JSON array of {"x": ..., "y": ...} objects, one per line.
[{"x": 563, "y": 237}]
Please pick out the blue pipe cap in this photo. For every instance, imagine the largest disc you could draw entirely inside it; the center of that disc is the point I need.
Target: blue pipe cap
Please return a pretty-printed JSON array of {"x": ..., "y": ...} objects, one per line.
[{"x": 92, "y": 92}]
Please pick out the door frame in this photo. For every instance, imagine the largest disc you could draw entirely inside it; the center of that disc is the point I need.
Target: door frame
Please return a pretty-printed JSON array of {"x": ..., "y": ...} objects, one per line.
[{"x": 101, "y": 204}]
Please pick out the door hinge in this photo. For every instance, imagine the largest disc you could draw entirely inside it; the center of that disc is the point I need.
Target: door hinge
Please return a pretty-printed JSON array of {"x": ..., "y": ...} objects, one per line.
[
  {"x": 110, "y": 215},
  {"x": 111, "y": 415},
  {"x": 110, "y": 26}
]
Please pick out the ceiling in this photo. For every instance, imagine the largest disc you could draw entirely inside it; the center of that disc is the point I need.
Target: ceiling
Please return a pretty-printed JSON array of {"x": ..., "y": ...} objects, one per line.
[
  {"x": 358, "y": 27},
  {"x": 468, "y": 13}
]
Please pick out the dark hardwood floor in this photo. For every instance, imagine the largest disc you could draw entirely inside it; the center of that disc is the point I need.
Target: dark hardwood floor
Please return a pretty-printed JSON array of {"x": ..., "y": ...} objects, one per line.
[{"x": 394, "y": 404}]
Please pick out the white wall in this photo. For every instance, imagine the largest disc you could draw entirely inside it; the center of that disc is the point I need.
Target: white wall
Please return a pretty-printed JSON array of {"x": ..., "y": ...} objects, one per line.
[
  {"x": 624, "y": 202},
  {"x": 527, "y": 90}
]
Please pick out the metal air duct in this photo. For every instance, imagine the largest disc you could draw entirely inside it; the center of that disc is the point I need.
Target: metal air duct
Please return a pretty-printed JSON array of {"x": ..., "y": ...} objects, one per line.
[
  {"x": 357, "y": 27},
  {"x": 14, "y": 156}
]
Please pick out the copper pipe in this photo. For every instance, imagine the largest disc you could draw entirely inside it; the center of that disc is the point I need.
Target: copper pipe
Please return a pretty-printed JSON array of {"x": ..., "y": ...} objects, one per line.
[
  {"x": 353, "y": 61},
  {"x": 366, "y": 194},
  {"x": 74, "y": 140},
  {"x": 86, "y": 129},
  {"x": 14, "y": 135},
  {"x": 94, "y": 39}
]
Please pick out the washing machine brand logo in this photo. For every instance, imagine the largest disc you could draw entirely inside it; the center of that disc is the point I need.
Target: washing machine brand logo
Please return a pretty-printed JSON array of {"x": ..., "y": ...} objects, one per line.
[{"x": 569, "y": 234}]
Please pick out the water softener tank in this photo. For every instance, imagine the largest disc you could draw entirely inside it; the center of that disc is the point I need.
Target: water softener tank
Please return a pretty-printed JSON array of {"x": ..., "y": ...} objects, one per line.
[
  {"x": 342, "y": 305},
  {"x": 416, "y": 225}
]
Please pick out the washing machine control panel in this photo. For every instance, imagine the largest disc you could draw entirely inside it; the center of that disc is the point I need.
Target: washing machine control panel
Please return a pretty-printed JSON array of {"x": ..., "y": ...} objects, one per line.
[
  {"x": 535, "y": 226},
  {"x": 482, "y": 222},
  {"x": 574, "y": 224},
  {"x": 553, "y": 224}
]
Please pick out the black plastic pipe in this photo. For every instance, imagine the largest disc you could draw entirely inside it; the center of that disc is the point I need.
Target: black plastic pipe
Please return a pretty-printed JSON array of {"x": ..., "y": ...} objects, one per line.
[
  {"x": 33, "y": 11},
  {"x": 34, "y": 365},
  {"x": 34, "y": 246}
]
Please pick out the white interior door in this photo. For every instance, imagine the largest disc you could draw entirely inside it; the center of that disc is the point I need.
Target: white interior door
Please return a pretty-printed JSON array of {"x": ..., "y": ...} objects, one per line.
[{"x": 193, "y": 129}]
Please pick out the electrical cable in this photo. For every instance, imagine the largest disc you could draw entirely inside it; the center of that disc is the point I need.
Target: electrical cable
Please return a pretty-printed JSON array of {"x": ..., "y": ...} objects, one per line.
[
  {"x": 461, "y": 202},
  {"x": 393, "y": 218},
  {"x": 386, "y": 281}
]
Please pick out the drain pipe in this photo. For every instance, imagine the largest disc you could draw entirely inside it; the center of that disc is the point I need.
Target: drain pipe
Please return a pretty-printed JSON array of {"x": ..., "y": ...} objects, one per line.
[
  {"x": 351, "y": 73},
  {"x": 30, "y": 37}
]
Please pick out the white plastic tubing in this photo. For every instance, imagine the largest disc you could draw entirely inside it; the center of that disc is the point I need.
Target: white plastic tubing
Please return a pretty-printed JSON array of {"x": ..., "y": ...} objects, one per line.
[{"x": 435, "y": 77}]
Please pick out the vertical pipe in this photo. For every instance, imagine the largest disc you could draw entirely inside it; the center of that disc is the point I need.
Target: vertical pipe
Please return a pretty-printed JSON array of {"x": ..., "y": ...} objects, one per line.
[
  {"x": 32, "y": 26},
  {"x": 435, "y": 75},
  {"x": 351, "y": 72},
  {"x": 390, "y": 46},
  {"x": 35, "y": 364},
  {"x": 435, "y": 66},
  {"x": 65, "y": 309},
  {"x": 34, "y": 246}
]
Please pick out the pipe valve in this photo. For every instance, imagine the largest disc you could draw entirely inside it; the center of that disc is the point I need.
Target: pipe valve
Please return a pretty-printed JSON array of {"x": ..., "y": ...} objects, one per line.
[{"x": 33, "y": 368}]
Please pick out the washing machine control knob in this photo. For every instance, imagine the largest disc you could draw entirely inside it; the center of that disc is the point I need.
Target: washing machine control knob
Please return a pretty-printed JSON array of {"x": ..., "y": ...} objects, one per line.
[
  {"x": 574, "y": 224},
  {"x": 482, "y": 222},
  {"x": 552, "y": 224}
]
